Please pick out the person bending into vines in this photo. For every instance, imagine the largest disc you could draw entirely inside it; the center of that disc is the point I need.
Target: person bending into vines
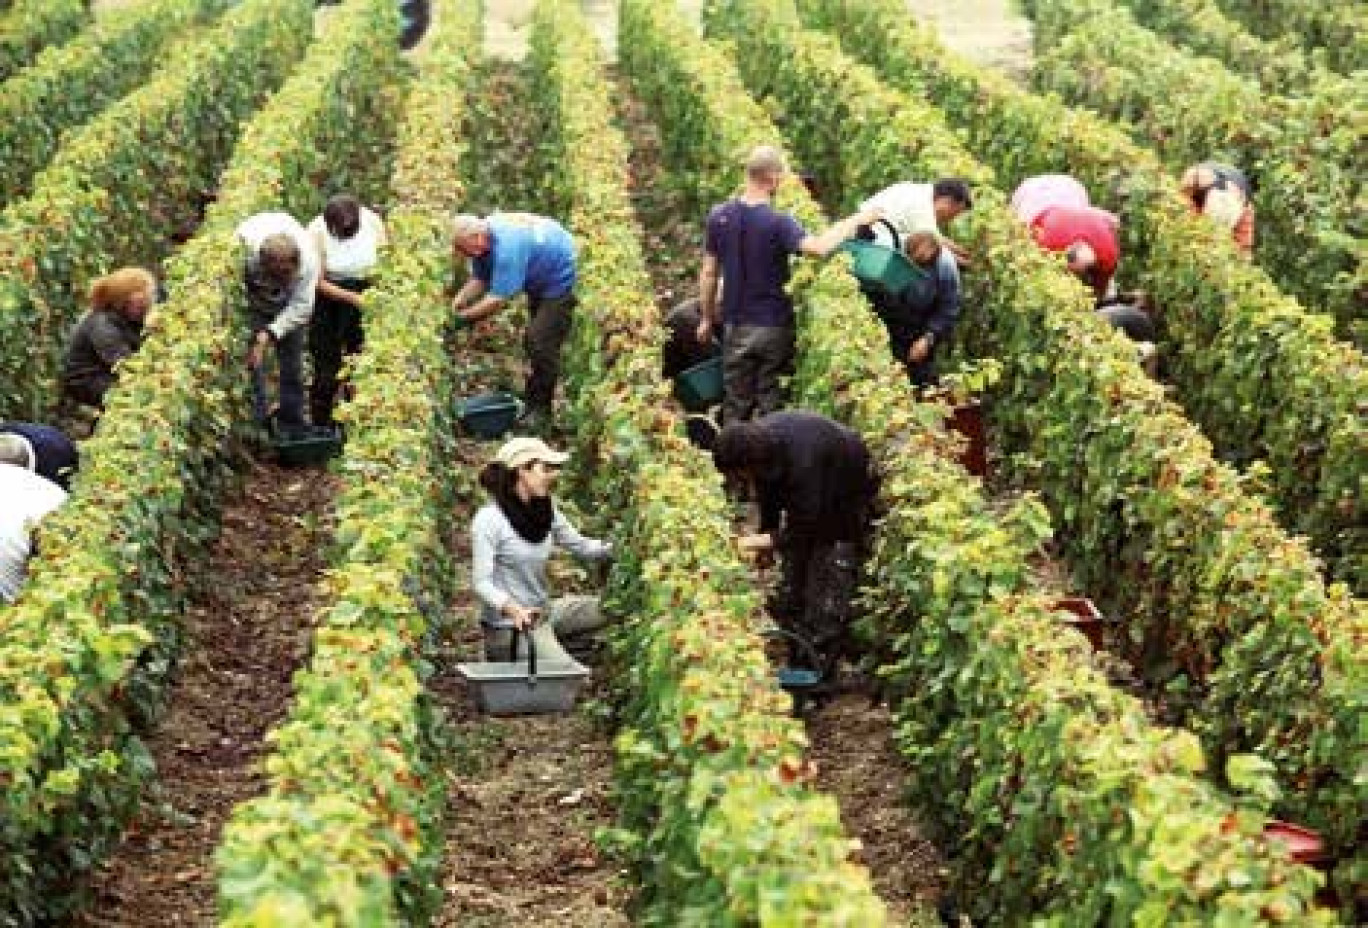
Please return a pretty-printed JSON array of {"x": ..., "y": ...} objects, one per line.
[
  {"x": 281, "y": 274},
  {"x": 922, "y": 315},
  {"x": 512, "y": 538},
  {"x": 909, "y": 208},
  {"x": 512, "y": 253},
  {"x": 817, "y": 489},
  {"x": 110, "y": 332},
  {"x": 348, "y": 237},
  {"x": 1056, "y": 209},
  {"x": 1223, "y": 194}
]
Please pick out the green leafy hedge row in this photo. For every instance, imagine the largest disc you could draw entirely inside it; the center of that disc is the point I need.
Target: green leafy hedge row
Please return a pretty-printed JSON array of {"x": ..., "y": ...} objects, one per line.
[
  {"x": 1213, "y": 585},
  {"x": 87, "y": 646},
  {"x": 991, "y": 782},
  {"x": 349, "y": 832},
  {"x": 1263, "y": 379},
  {"x": 1305, "y": 151},
  {"x": 29, "y": 26},
  {"x": 1337, "y": 29},
  {"x": 713, "y": 788},
  {"x": 68, "y": 84},
  {"x": 118, "y": 187},
  {"x": 1278, "y": 64}
]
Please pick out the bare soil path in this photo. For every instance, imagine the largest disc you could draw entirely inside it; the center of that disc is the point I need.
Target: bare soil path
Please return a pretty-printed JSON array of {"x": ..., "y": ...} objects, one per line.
[
  {"x": 247, "y": 631},
  {"x": 526, "y": 795},
  {"x": 851, "y": 740}
]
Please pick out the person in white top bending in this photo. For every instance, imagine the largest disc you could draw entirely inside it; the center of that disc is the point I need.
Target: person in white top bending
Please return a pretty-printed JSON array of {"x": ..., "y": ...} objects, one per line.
[
  {"x": 348, "y": 237},
  {"x": 909, "y": 208},
  {"x": 25, "y": 499},
  {"x": 281, "y": 274},
  {"x": 511, "y": 539}
]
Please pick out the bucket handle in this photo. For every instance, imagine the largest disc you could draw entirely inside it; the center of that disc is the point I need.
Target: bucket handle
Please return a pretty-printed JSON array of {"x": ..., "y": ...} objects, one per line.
[{"x": 531, "y": 654}]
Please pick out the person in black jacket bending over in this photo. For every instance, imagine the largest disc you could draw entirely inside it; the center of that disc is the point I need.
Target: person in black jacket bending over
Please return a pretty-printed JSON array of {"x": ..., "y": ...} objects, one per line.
[{"x": 816, "y": 486}]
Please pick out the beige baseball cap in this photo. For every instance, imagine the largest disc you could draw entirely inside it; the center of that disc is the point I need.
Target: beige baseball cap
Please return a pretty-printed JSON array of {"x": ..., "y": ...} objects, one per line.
[{"x": 516, "y": 452}]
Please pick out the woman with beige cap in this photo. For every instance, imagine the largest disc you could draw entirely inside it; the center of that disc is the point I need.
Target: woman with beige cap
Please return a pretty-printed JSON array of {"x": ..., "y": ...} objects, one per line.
[{"x": 512, "y": 537}]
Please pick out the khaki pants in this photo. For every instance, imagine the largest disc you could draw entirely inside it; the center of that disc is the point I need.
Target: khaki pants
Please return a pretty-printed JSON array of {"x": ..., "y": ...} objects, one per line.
[{"x": 569, "y": 615}]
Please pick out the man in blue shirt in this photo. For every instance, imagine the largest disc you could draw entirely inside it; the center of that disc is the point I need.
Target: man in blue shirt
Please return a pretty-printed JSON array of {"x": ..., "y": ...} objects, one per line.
[
  {"x": 747, "y": 244},
  {"x": 512, "y": 253}
]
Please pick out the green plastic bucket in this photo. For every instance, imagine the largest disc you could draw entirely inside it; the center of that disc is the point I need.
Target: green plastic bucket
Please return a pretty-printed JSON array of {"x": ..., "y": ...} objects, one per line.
[
  {"x": 489, "y": 415},
  {"x": 307, "y": 451},
  {"x": 878, "y": 266},
  {"x": 700, "y": 387}
]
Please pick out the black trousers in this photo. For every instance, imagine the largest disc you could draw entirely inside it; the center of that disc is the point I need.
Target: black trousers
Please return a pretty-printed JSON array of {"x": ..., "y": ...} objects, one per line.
[
  {"x": 547, "y": 327},
  {"x": 815, "y": 598},
  {"x": 334, "y": 333}
]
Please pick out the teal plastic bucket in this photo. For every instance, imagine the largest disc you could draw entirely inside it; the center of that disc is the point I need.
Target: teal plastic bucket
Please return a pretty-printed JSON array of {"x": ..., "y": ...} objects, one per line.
[
  {"x": 489, "y": 415},
  {"x": 700, "y": 387},
  {"x": 878, "y": 266},
  {"x": 307, "y": 451}
]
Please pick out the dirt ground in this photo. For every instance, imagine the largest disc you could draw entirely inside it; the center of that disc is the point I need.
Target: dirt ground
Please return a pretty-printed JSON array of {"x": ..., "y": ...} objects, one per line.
[
  {"x": 247, "y": 632},
  {"x": 858, "y": 764},
  {"x": 526, "y": 794}
]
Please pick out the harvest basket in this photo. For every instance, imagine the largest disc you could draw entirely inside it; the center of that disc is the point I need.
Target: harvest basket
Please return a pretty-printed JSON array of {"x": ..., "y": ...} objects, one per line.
[
  {"x": 517, "y": 687},
  {"x": 308, "y": 450},
  {"x": 880, "y": 267},
  {"x": 700, "y": 386},
  {"x": 489, "y": 415}
]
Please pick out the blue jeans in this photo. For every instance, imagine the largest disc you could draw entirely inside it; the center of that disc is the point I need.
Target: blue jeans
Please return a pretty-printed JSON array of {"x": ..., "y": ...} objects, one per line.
[{"x": 289, "y": 352}]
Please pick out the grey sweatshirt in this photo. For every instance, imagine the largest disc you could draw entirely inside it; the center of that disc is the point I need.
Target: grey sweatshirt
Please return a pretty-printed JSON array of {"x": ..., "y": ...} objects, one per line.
[{"x": 507, "y": 566}]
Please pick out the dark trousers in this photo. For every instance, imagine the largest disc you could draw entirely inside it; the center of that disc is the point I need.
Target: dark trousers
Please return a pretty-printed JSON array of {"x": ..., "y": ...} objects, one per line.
[
  {"x": 815, "y": 597},
  {"x": 89, "y": 390},
  {"x": 901, "y": 336},
  {"x": 755, "y": 359},
  {"x": 923, "y": 373},
  {"x": 334, "y": 334},
  {"x": 548, "y": 325},
  {"x": 289, "y": 352}
]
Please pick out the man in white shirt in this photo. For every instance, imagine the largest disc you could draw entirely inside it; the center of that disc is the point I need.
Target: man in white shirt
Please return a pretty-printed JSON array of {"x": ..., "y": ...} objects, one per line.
[
  {"x": 909, "y": 208},
  {"x": 25, "y": 498},
  {"x": 281, "y": 274}
]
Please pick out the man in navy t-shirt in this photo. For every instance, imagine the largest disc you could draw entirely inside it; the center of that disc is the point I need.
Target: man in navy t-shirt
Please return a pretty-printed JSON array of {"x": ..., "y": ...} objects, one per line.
[
  {"x": 512, "y": 253},
  {"x": 747, "y": 244}
]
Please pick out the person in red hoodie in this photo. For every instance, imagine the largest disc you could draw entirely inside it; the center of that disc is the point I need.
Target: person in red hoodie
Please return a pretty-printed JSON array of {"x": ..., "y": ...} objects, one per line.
[{"x": 1056, "y": 209}]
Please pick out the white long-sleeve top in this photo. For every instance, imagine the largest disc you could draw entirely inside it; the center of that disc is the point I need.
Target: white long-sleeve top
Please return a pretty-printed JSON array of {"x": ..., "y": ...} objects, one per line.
[
  {"x": 25, "y": 498},
  {"x": 299, "y": 303},
  {"x": 507, "y": 566}
]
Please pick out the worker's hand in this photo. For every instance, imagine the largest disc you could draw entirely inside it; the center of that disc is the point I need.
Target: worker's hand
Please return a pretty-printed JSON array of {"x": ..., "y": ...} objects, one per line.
[
  {"x": 920, "y": 350},
  {"x": 257, "y": 353},
  {"x": 962, "y": 256},
  {"x": 704, "y": 331},
  {"x": 522, "y": 617}
]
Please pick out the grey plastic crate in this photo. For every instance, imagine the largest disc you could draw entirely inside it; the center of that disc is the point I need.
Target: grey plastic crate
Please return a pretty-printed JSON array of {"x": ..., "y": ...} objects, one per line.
[{"x": 507, "y": 688}]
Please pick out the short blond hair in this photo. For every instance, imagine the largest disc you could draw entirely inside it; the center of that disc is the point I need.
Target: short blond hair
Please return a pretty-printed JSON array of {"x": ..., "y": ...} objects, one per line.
[
  {"x": 765, "y": 162},
  {"x": 113, "y": 291},
  {"x": 464, "y": 225}
]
